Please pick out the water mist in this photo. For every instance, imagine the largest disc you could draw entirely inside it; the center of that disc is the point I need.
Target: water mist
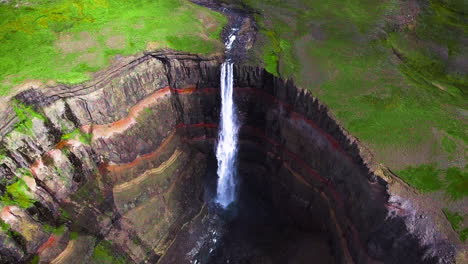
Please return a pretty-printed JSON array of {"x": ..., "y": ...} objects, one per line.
[{"x": 226, "y": 150}]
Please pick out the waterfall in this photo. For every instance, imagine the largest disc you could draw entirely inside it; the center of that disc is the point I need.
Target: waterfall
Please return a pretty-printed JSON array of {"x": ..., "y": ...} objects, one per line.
[{"x": 226, "y": 149}]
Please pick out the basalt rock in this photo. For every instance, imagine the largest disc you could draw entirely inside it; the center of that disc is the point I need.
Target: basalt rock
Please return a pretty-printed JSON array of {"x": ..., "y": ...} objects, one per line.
[{"x": 132, "y": 170}]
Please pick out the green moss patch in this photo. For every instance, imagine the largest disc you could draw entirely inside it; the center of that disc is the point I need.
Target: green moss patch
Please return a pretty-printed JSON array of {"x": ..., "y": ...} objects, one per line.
[
  {"x": 105, "y": 254},
  {"x": 66, "y": 40},
  {"x": 449, "y": 145},
  {"x": 456, "y": 220},
  {"x": 74, "y": 235},
  {"x": 34, "y": 260},
  {"x": 64, "y": 215},
  {"x": 25, "y": 114},
  {"x": 4, "y": 226},
  {"x": 425, "y": 177},
  {"x": 3, "y": 153},
  {"x": 391, "y": 86},
  {"x": 56, "y": 230},
  {"x": 83, "y": 137},
  {"x": 457, "y": 183},
  {"x": 18, "y": 193}
]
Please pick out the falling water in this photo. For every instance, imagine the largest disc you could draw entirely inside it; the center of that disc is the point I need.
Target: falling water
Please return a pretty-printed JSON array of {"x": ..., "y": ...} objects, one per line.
[{"x": 227, "y": 139}]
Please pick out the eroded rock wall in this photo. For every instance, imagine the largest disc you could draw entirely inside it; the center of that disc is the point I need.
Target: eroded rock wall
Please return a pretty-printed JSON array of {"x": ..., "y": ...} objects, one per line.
[
  {"x": 122, "y": 159},
  {"x": 108, "y": 160},
  {"x": 321, "y": 176}
]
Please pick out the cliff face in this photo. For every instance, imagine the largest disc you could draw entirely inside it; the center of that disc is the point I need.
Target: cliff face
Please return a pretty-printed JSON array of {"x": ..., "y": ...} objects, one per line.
[
  {"x": 122, "y": 162},
  {"x": 108, "y": 160}
]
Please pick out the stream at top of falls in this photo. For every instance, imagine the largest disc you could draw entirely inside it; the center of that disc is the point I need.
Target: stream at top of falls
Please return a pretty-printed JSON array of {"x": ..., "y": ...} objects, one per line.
[{"x": 226, "y": 150}]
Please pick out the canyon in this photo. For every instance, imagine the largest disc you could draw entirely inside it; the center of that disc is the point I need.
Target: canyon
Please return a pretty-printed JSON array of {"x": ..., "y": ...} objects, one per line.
[{"x": 137, "y": 172}]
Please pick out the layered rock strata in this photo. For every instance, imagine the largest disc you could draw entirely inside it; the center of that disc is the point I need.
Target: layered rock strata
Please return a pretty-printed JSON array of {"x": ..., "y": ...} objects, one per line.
[{"x": 123, "y": 159}]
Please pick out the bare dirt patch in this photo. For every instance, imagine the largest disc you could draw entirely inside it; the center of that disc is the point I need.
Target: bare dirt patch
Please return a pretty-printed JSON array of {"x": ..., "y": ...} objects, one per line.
[
  {"x": 310, "y": 76},
  {"x": 116, "y": 42},
  {"x": 93, "y": 59},
  {"x": 210, "y": 23},
  {"x": 67, "y": 43},
  {"x": 155, "y": 45},
  {"x": 398, "y": 157}
]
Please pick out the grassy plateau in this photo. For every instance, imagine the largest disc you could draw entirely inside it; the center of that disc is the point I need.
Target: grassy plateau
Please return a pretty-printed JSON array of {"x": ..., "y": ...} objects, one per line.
[{"x": 66, "y": 40}]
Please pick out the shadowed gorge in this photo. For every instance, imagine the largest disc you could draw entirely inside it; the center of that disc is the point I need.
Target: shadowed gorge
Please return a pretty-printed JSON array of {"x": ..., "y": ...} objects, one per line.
[
  {"x": 233, "y": 131},
  {"x": 123, "y": 169}
]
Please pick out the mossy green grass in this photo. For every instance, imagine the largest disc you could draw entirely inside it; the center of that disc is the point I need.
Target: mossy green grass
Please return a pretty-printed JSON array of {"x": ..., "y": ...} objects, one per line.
[
  {"x": 67, "y": 40},
  {"x": 83, "y": 137},
  {"x": 428, "y": 178},
  {"x": 457, "y": 182},
  {"x": 104, "y": 254},
  {"x": 25, "y": 114},
  {"x": 456, "y": 220},
  {"x": 4, "y": 226},
  {"x": 425, "y": 177},
  {"x": 395, "y": 87},
  {"x": 18, "y": 192},
  {"x": 56, "y": 230},
  {"x": 383, "y": 82}
]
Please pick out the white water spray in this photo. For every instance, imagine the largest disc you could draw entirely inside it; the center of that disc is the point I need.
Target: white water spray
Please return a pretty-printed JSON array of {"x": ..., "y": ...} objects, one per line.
[{"x": 227, "y": 139}]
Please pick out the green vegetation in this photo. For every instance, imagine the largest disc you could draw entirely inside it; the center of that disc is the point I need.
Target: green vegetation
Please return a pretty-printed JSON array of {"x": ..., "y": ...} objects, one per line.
[
  {"x": 64, "y": 215},
  {"x": 449, "y": 145},
  {"x": 25, "y": 114},
  {"x": 18, "y": 193},
  {"x": 35, "y": 260},
  {"x": 427, "y": 178},
  {"x": 66, "y": 40},
  {"x": 73, "y": 235},
  {"x": 3, "y": 153},
  {"x": 456, "y": 220},
  {"x": 271, "y": 53},
  {"x": 424, "y": 177},
  {"x": 148, "y": 110},
  {"x": 390, "y": 80},
  {"x": 83, "y": 137},
  {"x": 4, "y": 226},
  {"x": 104, "y": 254},
  {"x": 283, "y": 24},
  {"x": 56, "y": 230},
  {"x": 457, "y": 183},
  {"x": 464, "y": 234}
]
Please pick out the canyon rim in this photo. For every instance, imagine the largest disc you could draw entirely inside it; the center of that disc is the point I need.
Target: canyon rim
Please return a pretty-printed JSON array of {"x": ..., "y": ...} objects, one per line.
[{"x": 122, "y": 167}]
